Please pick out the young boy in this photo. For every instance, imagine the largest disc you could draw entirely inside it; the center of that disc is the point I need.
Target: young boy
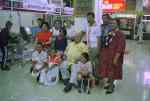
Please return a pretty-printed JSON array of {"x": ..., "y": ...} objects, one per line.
[
  {"x": 39, "y": 60},
  {"x": 49, "y": 76}
]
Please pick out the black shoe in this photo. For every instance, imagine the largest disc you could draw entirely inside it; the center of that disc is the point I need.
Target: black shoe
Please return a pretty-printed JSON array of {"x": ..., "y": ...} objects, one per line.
[
  {"x": 79, "y": 90},
  {"x": 6, "y": 68},
  {"x": 38, "y": 78},
  {"x": 88, "y": 92},
  {"x": 110, "y": 90},
  {"x": 66, "y": 81},
  {"x": 68, "y": 88}
]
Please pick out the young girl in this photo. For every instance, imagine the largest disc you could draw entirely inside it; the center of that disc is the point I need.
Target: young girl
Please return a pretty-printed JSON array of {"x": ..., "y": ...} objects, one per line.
[{"x": 84, "y": 75}]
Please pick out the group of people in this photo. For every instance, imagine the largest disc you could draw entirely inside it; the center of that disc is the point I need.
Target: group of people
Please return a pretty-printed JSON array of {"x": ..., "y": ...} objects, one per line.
[{"x": 78, "y": 57}]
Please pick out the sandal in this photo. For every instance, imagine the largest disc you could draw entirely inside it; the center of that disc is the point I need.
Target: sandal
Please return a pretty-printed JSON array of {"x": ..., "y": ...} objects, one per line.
[{"x": 110, "y": 89}]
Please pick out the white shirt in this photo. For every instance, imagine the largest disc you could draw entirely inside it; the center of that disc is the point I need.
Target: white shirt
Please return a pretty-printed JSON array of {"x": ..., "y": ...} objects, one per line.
[
  {"x": 54, "y": 31},
  {"x": 71, "y": 32},
  {"x": 40, "y": 58},
  {"x": 91, "y": 35},
  {"x": 87, "y": 66},
  {"x": 140, "y": 28}
]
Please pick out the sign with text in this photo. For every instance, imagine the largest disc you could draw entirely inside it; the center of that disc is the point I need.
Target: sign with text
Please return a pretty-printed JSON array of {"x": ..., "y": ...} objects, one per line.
[
  {"x": 28, "y": 5},
  {"x": 111, "y": 6},
  {"x": 40, "y": 5},
  {"x": 82, "y": 7}
]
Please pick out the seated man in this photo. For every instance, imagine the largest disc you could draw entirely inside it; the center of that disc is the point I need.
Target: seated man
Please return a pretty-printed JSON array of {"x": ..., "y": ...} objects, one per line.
[
  {"x": 73, "y": 53},
  {"x": 39, "y": 60}
]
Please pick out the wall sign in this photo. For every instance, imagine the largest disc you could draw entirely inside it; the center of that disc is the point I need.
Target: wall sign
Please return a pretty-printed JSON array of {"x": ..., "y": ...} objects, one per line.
[
  {"x": 111, "y": 6},
  {"x": 40, "y": 5}
]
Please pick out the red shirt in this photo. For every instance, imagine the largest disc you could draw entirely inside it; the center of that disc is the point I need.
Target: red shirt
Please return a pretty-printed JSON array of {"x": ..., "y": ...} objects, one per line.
[{"x": 44, "y": 37}]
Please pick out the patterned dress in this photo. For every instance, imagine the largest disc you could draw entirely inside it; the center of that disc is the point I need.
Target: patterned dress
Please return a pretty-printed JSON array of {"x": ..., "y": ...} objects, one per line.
[{"x": 116, "y": 45}]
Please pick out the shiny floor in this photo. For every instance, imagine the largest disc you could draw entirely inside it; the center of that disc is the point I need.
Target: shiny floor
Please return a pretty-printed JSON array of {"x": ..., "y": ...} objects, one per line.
[{"x": 18, "y": 85}]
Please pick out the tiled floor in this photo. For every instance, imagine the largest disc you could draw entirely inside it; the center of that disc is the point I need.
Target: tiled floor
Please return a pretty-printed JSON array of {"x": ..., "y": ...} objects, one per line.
[{"x": 18, "y": 85}]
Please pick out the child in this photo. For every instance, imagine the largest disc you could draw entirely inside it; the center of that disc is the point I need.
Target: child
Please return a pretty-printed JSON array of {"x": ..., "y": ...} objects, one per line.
[
  {"x": 85, "y": 73},
  {"x": 49, "y": 76},
  {"x": 39, "y": 60},
  {"x": 61, "y": 41}
]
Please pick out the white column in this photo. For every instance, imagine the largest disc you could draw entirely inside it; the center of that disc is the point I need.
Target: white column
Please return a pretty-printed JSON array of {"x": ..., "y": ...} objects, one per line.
[
  {"x": 139, "y": 5},
  {"x": 98, "y": 11}
]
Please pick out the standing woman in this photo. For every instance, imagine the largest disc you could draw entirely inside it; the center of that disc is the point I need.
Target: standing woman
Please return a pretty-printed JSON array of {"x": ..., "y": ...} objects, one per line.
[
  {"x": 44, "y": 36},
  {"x": 112, "y": 54}
]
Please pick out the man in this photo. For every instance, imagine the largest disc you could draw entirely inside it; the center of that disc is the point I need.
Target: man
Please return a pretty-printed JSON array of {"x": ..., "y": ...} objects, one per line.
[
  {"x": 56, "y": 27},
  {"x": 37, "y": 29},
  {"x": 73, "y": 53},
  {"x": 4, "y": 37},
  {"x": 106, "y": 27},
  {"x": 92, "y": 38},
  {"x": 70, "y": 28}
]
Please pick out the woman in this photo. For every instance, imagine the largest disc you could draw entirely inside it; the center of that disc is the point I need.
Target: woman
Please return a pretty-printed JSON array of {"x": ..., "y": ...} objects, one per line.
[
  {"x": 112, "y": 54},
  {"x": 44, "y": 36}
]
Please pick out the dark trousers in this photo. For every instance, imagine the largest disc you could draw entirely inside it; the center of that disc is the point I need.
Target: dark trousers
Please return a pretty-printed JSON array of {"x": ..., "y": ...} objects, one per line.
[{"x": 4, "y": 55}]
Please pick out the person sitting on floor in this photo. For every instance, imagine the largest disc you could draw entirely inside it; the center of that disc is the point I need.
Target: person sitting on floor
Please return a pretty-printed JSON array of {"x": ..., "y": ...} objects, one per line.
[
  {"x": 39, "y": 60},
  {"x": 49, "y": 76}
]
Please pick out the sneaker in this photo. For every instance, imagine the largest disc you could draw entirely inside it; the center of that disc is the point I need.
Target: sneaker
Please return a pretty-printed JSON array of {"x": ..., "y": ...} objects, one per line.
[
  {"x": 68, "y": 88},
  {"x": 79, "y": 90}
]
